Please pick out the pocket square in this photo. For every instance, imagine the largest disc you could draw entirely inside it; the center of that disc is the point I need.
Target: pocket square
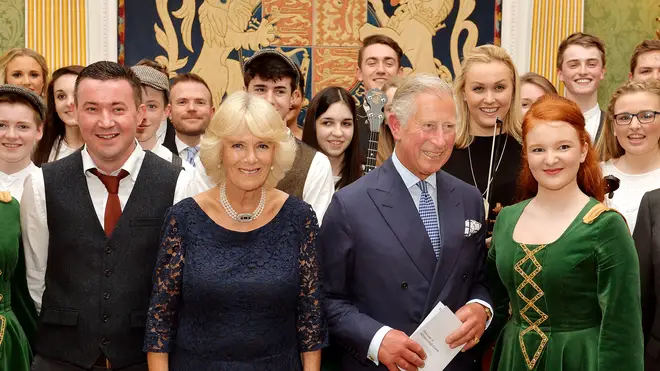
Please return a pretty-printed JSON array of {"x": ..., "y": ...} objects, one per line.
[{"x": 471, "y": 227}]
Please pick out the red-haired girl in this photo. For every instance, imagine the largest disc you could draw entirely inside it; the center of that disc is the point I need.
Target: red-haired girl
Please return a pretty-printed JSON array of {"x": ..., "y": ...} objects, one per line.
[{"x": 562, "y": 261}]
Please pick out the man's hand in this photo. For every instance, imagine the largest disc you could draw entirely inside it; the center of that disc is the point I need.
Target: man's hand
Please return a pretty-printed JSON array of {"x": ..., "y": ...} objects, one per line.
[
  {"x": 473, "y": 317},
  {"x": 397, "y": 349}
]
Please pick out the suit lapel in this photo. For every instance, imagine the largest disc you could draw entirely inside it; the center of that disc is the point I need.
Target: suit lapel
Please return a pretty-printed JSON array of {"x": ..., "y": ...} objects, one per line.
[
  {"x": 452, "y": 225},
  {"x": 600, "y": 126},
  {"x": 395, "y": 204}
]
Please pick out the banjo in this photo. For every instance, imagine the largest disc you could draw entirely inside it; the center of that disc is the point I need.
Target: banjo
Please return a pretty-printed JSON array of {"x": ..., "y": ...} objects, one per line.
[{"x": 374, "y": 103}]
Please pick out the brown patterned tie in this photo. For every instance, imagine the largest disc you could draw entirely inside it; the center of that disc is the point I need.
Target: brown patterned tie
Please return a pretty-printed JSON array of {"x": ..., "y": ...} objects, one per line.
[{"x": 112, "y": 207}]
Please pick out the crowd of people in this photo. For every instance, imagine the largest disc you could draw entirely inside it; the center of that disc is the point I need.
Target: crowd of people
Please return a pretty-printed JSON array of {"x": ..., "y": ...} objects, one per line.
[{"x": 147, "y": 227}]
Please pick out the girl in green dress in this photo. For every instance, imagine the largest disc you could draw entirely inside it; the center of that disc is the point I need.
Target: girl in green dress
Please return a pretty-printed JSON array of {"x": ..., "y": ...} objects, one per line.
[
  {"x": 562, "y": 266},
  {"x": 15, "y": 354}
]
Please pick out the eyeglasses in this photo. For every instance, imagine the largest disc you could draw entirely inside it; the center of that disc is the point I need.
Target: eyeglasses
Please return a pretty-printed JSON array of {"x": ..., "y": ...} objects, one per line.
[{"x": 644, "y": 117}]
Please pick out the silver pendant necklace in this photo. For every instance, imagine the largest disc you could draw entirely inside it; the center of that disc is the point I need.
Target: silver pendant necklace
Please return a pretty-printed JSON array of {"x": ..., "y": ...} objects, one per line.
[
  {"x": 506, "y": 139},
  {"x": 242, "y": 217}
]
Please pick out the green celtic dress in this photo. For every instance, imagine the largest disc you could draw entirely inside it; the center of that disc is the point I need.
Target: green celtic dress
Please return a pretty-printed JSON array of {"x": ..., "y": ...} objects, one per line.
[
  {"x": 572, "y": 304},
  {"x": 17, "y": 312}
]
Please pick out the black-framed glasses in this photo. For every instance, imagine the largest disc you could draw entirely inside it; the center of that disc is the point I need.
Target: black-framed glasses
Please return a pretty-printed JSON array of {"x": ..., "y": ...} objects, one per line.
[{"x": 644, "y": 117}]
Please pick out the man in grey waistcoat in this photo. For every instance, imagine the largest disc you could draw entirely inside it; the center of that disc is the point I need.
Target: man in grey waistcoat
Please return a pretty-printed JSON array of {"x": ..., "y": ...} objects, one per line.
[{"x": 91, "y": 228}]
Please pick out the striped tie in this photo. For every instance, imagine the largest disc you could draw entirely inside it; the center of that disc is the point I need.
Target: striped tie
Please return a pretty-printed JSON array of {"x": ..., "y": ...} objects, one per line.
[
  {"x": 429, "y": 218},
  {"x": 191, "y": 152}
]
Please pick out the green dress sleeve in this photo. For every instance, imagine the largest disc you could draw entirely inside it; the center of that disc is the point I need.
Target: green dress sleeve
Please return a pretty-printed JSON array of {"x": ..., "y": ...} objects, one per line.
[{"x": 620, "y": 344}]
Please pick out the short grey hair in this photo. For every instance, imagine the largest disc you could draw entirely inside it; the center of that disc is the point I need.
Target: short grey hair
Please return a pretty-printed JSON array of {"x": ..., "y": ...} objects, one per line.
[{"x": 403, "y": 103}]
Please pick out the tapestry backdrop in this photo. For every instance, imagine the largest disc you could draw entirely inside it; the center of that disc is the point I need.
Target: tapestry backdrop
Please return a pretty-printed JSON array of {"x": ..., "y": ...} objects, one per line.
[{"x": 213, "y": 37}]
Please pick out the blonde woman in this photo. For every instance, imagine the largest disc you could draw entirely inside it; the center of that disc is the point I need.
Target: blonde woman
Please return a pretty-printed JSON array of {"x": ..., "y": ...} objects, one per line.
[
  {"x": 237, "y": 284},
  {"x": 486, "y": 156},
  {"x": 24, "y": 67},
  {"x": 629, "y": 145}
]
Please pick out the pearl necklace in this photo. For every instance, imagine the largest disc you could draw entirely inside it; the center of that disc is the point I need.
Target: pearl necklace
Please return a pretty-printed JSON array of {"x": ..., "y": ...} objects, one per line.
[{"x": 242, "y": 217}]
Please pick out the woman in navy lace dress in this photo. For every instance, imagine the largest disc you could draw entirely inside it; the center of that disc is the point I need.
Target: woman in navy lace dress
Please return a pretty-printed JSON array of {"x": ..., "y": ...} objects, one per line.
[{"x": 237, "y": 285}]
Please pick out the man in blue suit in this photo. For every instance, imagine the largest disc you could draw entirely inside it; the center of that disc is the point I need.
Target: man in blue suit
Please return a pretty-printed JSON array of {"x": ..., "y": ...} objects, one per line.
[{"x": 403, "y": 238}]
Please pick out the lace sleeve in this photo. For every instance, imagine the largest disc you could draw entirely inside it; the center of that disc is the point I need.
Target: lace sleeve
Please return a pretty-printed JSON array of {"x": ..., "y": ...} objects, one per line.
[
  {"x": 166, "y": 292},
  {"x": 312, "y": 328}
]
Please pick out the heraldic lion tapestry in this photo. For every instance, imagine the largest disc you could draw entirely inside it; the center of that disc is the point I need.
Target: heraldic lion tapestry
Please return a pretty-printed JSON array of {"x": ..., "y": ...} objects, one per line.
[{"x": 213, "y": 37}]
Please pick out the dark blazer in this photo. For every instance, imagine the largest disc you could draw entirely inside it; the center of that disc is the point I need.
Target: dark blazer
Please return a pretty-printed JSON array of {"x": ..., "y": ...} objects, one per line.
[
  {"x": 603, "y": 115},
  {"x": 168, "y": 141},
  {"x": 647, "y": 241},
  {"x": 379, "y": 264}
]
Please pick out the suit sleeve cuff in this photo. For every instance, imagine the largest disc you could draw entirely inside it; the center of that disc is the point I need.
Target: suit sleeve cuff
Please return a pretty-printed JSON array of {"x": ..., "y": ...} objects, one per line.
[
  {"x": 483, "y": 303},
  {"x": 374, "y": 346}
]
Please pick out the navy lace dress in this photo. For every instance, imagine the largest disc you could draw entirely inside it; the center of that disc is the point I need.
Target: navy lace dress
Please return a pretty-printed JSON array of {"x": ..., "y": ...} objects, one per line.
[{"x": 239, "y": 301}]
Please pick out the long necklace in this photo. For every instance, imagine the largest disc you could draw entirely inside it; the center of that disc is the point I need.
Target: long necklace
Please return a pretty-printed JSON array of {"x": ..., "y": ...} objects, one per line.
[
  {"x": 242, "y": 217},
  {"x": 506, "y": 139}
]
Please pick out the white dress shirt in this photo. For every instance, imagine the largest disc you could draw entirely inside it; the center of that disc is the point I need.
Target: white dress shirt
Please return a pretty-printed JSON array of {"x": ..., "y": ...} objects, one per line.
[
  {"x": 62, "y": 153},
  {"x": 14, "y": 182},
  {"x": 411, "y": 180},
  {"x": 317, "y": 191},
  {"x": 181, "y": 150},
  {"x": 592, "y": 121},
  {"x": 34, "y": 223},
  {"x": 164, "y": 153},
  {"x": 632, "y": 188}
]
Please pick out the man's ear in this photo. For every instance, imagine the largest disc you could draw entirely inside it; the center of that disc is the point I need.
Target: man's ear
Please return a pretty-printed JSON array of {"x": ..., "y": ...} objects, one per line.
[
  {"x": 296, "y": 96},
  {"x": 395, "y": 125}
]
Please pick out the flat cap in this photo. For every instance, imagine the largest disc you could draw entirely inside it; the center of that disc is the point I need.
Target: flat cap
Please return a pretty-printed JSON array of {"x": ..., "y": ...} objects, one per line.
[
  {"x": 273, "y": 53},
  {"x": 29, "y": 96},
  {"x": 152, "y": 77}
]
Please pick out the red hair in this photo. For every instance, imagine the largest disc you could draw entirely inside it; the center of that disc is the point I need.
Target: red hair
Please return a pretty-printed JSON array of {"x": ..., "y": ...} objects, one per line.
[{"x": 552, "y": 107}]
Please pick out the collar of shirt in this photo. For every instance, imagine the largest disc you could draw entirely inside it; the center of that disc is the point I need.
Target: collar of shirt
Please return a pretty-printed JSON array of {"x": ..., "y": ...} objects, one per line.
[
  {"x": 410, "y": 179},
  {"x": 162, "y": 129},
  {"x": 591, "y": 113},
  {"x": 21, "y": 174},
  {"x": 180, "y": 146},
  {"x": 132, "y": 164}
]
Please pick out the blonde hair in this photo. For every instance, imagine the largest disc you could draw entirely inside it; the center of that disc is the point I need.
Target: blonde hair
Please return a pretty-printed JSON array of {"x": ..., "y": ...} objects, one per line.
[
  {"x": 513, "y": 118},
  {"x": 608, "y": 146},
  {"x": 23, "y": 52},
  {"x": 239, "y": 113}
]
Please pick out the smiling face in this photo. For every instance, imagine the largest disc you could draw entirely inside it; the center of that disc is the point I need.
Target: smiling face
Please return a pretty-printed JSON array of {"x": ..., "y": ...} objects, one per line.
[
  {"x": 379, "y": 64},
  {"x": 108, "y": 117},
  {"x": 529, "y": 93},
  {"x": 334, "y": 130},
  {"x": 246, "y": 160},
  {"x": 19, "y": 133},
  {"x": 554, "y": 154},
  {"x": 636, "y": 138},
  {"x": 64, "y": 101},
  {"x": 488, "y": 93},
  {"x": 191, "y": 108},
  {"x": 27, "y": 72},
  {"x": 276, "y": 92},
  {"x": 582, "y": 70},
  {"x": 157, "y": 111},
  {"x": 425, "y": 142}
]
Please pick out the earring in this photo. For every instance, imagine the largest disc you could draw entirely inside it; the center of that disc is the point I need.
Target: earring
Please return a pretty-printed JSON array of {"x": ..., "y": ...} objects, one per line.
[{"x": 272, "y": 167}]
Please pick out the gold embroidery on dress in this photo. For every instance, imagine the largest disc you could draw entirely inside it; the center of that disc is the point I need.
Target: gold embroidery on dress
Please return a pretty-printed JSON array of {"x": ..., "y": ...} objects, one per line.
[
  {"x": 596, "y": 211},
  {"x": 5, "y": 197},
  {"x": 533, "y": 326},
  {"x": 3, "y": 324}
]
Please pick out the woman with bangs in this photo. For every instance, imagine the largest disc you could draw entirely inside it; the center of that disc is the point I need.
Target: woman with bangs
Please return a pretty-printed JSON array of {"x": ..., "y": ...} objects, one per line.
[
  {"x": 487, "y": 155},
  {"x": 561, "y": 261},
  {"x": 237, "y": 284},
  {"x": 61, "y": 133},
  {"x": 629, "y": 145},
  {"x": 330, "y": 128}
]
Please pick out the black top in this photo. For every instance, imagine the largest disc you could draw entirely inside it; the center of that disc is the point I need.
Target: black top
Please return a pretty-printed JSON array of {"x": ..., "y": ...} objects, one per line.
[
  {"x": 239, "y": 301},
  {"x": 503, "y": 190}
]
